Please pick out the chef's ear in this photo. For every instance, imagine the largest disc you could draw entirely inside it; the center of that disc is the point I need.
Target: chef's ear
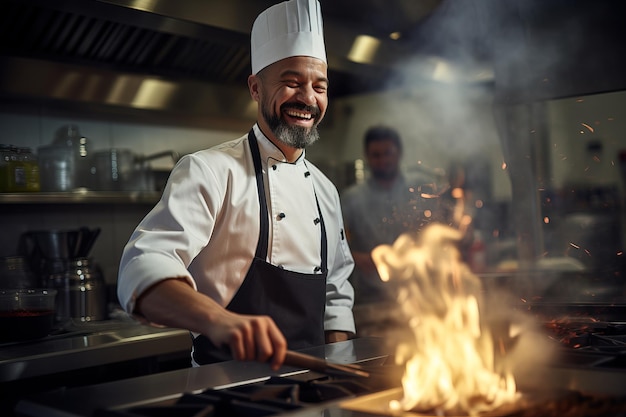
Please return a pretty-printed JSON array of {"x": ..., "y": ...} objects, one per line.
[{"x": 254, "y": 86}]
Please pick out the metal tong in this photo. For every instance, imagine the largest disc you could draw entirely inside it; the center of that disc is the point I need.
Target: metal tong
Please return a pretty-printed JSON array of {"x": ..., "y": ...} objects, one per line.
[{"x": 316, "y": 364}]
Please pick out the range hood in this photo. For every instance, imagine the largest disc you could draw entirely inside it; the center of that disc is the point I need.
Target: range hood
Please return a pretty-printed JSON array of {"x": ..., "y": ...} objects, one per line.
[
  {"x": 188, "y": 57},
  {"x": 192, "y": 58}
]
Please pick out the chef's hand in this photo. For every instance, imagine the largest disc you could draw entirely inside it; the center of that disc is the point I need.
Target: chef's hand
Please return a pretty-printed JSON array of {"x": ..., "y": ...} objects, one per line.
[
  {"x": 249, "y": 338},
  {"x": 174, "y": 303}
]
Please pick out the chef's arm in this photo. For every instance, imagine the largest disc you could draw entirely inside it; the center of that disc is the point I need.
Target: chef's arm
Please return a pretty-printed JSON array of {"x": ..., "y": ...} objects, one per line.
[{"x": 174, "y": 303}]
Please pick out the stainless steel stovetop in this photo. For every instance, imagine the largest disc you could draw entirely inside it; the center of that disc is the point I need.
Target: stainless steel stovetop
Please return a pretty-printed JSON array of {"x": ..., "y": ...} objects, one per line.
[
  {"x": 168, "y": 387},
  {"x": 236, "y": 389}
]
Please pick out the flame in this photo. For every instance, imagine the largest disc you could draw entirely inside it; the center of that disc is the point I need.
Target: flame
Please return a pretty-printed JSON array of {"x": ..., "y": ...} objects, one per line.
[{"x": 451, "y": 356}]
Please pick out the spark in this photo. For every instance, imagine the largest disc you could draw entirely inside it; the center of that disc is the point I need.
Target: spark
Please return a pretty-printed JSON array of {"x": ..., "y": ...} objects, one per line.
[
  {"x": 457, "y": 193},
  {"x": 588, "y": 127}
]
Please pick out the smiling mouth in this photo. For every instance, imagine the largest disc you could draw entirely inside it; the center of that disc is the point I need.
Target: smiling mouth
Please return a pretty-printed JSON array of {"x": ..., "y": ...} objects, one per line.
[
  {"x": 301, "y": 112},
  {"x": 298, "y": 114}
]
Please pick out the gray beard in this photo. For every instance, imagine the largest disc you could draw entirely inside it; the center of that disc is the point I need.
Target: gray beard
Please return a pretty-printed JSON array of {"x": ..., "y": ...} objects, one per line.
[{"x": 295, "y": 136}]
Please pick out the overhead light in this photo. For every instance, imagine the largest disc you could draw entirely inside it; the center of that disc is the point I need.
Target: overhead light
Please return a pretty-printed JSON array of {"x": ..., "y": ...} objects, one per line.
[
  {"x": 395, "y": 35},
  {"x": 140, "y": 92},
  {"x": 364, "y": 49},
  {"x": 154, "y": 93}
]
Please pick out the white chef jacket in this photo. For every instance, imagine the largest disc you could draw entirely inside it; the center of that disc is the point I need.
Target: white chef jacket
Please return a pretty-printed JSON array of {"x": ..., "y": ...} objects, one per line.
[{"x": 206, "y": 227}]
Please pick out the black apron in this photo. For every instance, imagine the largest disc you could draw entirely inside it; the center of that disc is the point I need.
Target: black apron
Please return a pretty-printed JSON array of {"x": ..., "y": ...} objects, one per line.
[{"x": 295, "y": 301}]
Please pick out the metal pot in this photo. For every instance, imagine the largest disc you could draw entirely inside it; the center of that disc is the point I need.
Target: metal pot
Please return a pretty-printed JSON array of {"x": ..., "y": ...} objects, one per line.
[{"x": 122, "y": 170}]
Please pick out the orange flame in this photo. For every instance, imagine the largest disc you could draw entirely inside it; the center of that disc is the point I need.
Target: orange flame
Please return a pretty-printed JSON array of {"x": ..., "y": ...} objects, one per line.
[{"x": 450, "y": 361}]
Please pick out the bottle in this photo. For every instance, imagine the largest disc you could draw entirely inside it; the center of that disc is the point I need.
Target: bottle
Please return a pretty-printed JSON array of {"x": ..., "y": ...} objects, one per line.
[
  {"x": 19, "y": 171},
  {"x": 30, "y": 167},
  {"x": 5, "y": 157}
]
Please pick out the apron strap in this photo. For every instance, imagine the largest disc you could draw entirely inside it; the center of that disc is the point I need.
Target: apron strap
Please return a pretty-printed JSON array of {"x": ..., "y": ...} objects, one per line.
[
  {"x": 261, "y": 247},
  {"x": 324, "y": 264}
]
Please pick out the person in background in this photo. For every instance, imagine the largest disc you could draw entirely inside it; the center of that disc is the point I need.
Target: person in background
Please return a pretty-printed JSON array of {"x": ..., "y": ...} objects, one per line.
[
  {"x": 377, "y": 212},
  {"x": 246, "y": 247}
]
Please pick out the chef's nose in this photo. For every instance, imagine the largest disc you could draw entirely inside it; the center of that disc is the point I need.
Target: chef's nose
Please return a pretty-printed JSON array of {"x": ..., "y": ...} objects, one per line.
[{"x": 306, "y": 94}]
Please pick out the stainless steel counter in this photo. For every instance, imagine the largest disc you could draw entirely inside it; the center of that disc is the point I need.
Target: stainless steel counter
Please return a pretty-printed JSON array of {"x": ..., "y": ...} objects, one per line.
[
  {"x": 86, "y": 345},
  {"x": 84, "y": 401}
]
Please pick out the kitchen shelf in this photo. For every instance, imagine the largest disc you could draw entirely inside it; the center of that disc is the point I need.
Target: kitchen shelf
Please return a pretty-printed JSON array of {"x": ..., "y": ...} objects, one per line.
[{"x": 82, "y": 197}]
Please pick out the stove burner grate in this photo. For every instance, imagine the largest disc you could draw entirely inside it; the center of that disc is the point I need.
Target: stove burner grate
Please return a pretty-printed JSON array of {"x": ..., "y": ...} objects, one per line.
[{"x": 272, "y": 397}]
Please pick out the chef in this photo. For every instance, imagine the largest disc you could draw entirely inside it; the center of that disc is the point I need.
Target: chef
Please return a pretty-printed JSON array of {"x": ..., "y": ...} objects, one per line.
[{"x": 246, "y": 247}]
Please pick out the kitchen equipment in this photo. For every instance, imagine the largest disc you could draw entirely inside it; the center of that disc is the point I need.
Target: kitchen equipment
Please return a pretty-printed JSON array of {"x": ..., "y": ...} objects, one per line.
[
  {"x": 49, "y": 250},
  {"x": 64, "y": 164},
  {"x": 81, "y": 291},
  {"x": 69, "y": 136},
  {"x": 60, "y": 260},
  {"x": 15, "y": 273},
  {"x": 122, "y": 170},
  {"x": 56, "y": 168},
  {"x": 26, "y": 314}
]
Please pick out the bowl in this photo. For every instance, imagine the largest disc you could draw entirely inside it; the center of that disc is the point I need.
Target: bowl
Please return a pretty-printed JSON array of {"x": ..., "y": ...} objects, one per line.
[{"x": 26, "y": 314}]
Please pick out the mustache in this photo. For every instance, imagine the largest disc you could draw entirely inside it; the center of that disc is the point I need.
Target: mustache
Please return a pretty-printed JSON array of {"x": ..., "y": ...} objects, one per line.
[{"x": 314, "y": 110}]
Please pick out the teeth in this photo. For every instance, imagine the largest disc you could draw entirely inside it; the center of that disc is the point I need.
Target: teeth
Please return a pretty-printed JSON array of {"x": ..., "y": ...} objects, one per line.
[{"x": 296, "y": 114}]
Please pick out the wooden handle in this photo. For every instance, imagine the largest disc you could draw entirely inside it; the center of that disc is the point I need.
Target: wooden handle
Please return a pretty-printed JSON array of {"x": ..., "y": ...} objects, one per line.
[
  {"x": 305, "y": 361},
  {"x": 313, "y": 363}
]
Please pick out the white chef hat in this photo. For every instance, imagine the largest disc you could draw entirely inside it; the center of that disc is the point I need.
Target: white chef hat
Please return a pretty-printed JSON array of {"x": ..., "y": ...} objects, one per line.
[{"x": 291, "y": 28}]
